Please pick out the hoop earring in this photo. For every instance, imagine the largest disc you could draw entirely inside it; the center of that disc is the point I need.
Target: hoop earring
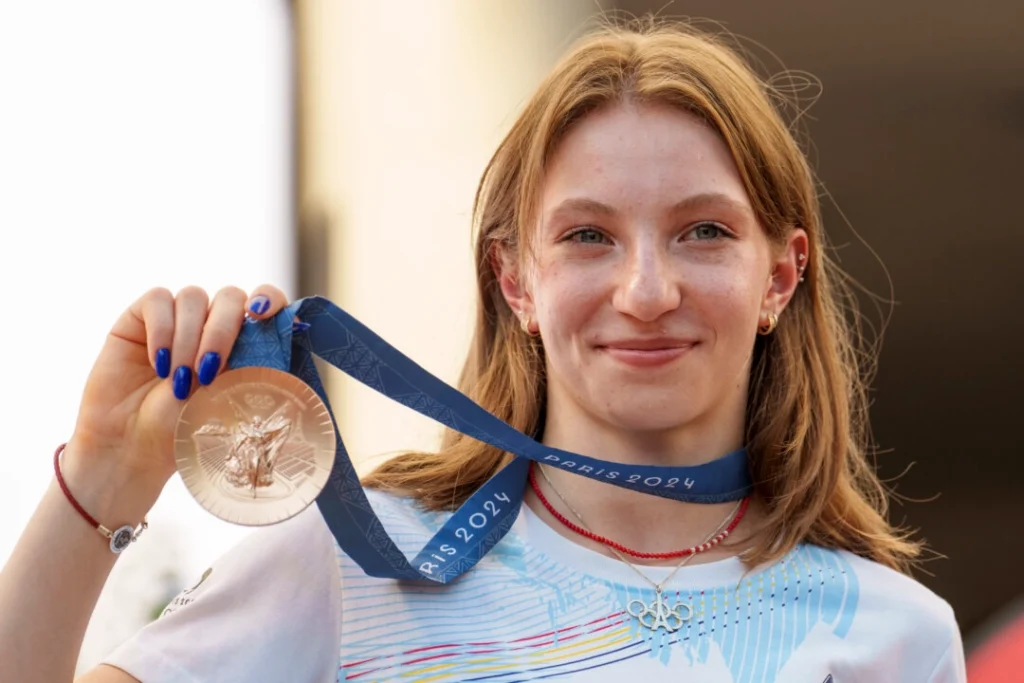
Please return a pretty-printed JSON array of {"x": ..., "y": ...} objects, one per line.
[
  {"x": 769, "y": 327},
  {"x": 524, "y": 323}
]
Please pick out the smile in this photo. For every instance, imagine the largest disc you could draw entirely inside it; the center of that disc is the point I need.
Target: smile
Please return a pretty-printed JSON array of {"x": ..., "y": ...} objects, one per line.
[{"x": 646, "y": 356}]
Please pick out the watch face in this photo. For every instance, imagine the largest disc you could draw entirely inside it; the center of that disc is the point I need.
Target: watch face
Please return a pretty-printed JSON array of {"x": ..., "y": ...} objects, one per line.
[{"x": 121, "y": 539}]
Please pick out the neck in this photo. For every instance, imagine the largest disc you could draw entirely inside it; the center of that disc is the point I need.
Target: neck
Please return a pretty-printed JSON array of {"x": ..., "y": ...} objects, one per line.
[
  {"x": 688, "y": 445},
  {"x": 643, "y": 522}
]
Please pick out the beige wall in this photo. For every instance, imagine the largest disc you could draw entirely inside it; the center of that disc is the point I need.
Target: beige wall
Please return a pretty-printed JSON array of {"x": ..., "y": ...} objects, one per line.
[{"x": 400, "y": 111}]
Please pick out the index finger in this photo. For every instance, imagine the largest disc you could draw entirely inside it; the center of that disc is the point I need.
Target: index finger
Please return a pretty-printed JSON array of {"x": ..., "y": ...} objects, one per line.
[{"x": 264, "y": 302}]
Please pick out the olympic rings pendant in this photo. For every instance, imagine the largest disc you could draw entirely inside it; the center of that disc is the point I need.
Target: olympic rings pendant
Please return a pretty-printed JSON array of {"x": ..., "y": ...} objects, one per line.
[{"x": 658, "y": 614}]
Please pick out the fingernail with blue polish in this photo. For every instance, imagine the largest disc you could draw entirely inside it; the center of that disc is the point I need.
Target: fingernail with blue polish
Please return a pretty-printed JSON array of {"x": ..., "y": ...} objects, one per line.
[
  {"x": 208, "y": 368},
  {"x": 300, "y": 327},
  {"x": 182, "y": 382},
  {"x": 258, "y": 305},
  {"x": 163, "y": 363}
]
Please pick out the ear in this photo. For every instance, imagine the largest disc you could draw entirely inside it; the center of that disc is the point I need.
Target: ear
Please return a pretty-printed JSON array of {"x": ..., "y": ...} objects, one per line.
[
  {"x": 787, "y": 269},
  {"x": 513, "y": 281}
]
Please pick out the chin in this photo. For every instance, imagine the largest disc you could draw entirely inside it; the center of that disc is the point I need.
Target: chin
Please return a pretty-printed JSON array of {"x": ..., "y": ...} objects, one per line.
[{"x": 639, "y": 415}]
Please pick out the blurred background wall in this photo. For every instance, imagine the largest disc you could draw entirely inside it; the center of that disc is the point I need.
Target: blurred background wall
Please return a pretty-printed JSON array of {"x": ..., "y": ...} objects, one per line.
[{"x": 334, "y": 147}]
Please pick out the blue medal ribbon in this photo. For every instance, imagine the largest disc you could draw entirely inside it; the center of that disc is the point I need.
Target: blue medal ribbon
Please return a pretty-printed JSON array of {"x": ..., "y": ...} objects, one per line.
[{"x": 482, "y": 521}]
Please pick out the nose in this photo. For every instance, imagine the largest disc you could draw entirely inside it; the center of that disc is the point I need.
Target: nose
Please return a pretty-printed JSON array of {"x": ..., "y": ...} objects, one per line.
[{"x": 649, "y": 286}]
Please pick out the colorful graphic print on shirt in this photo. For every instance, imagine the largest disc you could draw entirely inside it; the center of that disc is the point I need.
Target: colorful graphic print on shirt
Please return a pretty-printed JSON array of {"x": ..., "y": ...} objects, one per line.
[{"x": 525, "y": 617}]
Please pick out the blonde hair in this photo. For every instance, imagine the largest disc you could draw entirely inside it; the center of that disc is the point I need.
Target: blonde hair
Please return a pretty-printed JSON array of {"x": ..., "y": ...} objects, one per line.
[{"x": 807, "y": 430}]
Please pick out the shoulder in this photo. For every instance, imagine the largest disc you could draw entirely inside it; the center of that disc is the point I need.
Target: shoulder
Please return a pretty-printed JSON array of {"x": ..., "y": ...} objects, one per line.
[
  {"x": 277, "y": 563},
  {"x": 886, "y": 589},
  {"x": 286, "y": 560},
  {"x": 275, "y": 592},
  {"x": 893, "y": 610}
]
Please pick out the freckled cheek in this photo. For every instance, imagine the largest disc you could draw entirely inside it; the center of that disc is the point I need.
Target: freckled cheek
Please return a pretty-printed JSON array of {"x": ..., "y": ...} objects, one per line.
[
  {"x": 726, "y": 299},
  {"x": 565, "y": 300}
]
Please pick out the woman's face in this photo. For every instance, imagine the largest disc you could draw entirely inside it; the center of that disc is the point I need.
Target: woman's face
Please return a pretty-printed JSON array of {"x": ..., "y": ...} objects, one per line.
[{"x": 650, "y": 274}]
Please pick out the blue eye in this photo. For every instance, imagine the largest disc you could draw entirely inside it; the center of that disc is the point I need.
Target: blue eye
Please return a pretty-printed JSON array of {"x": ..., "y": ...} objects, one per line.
[
  {"x": 587, "y": 236},
  {"x": 707, "y": 231}
]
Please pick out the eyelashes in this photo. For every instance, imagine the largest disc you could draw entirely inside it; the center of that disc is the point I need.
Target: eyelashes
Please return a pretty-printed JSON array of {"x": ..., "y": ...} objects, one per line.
[
  {"x": 703, "y": 231},
  {"x": 720, "y": 231},
  {"x": 586, "y": 234}
]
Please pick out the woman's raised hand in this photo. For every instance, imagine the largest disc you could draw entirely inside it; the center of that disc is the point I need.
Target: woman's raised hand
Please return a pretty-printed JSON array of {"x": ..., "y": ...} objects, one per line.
[{"x": 155, "y": 356}]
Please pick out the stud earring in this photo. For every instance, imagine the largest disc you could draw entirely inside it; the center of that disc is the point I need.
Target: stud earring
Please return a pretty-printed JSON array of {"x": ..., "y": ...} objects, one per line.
[{"x": 803, "y": 266}]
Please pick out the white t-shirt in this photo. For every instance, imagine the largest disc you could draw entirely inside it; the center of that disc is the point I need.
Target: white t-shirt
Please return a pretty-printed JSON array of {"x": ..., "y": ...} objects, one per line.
[{"x": 287, "y": 605}]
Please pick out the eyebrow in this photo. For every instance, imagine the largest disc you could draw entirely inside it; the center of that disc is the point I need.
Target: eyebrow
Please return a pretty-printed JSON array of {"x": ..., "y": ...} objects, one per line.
[
  {"x": 697, "y": 201},
  {"x": 584, "y": 205},
  {"x": 711, "y": 199}
]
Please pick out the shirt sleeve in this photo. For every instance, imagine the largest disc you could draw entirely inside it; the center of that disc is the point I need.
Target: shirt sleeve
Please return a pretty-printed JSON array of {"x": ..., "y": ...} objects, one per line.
[
  {"x": 951, "y": 667},
  {"x": 268, "y": 610}
]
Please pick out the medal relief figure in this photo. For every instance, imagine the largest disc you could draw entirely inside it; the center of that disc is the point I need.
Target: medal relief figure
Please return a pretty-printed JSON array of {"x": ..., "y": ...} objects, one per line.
[{"x": 255, "y": 445}]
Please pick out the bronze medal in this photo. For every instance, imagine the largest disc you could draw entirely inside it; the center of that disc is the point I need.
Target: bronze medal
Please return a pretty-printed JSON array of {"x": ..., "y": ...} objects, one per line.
[{"x": 255, "y": 447}]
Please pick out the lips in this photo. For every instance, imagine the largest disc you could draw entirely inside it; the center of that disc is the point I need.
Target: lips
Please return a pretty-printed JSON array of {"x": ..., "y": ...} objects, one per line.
[
  {"x": 647, "y": 352},
  {"x": 649, "y": 344}
]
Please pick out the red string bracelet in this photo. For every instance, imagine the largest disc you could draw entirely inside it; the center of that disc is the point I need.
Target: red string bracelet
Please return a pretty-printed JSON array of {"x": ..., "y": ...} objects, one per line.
[
  {"x": 120, "y": 538},
  {"x": 636, "y": 553}
]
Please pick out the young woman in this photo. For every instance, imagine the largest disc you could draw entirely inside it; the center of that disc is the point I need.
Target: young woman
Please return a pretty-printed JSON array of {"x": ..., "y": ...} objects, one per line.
[{"x": 654, "y": 290}]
